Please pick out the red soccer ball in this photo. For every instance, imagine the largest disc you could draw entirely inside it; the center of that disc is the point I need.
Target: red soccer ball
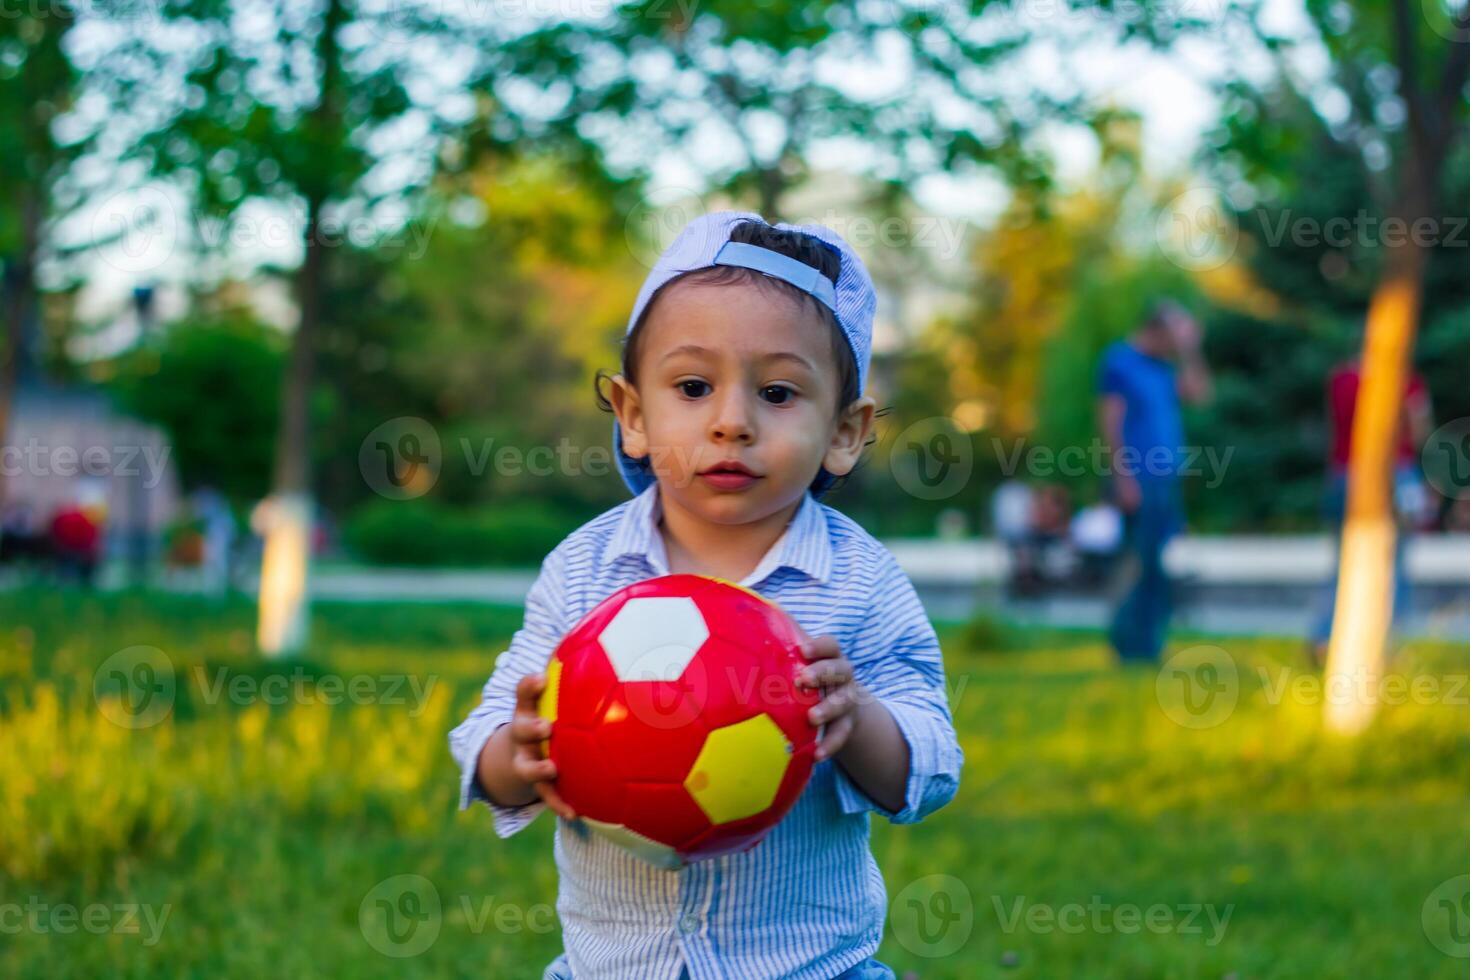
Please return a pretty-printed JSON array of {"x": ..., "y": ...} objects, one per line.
[{"x": 678, "y": 730}]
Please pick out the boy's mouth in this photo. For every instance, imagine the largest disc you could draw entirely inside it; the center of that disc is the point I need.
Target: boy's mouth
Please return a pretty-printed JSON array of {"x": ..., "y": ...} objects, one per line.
[
  {"x": 729, "y": 474},
  {"x": 729, "y": 466}
]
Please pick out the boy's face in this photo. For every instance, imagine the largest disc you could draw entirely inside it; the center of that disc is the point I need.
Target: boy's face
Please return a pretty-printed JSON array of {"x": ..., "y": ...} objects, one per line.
[{"x": 739, "y": 373}]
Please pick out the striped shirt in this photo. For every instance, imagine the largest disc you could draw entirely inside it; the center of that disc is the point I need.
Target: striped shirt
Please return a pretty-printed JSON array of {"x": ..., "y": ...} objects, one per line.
[{"x": 809, "y": 901}]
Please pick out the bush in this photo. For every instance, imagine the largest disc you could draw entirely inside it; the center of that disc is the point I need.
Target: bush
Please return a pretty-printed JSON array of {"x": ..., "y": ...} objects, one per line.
[
  {"x": 213, "y": 385},
  {"x": 422, "y": 532}
]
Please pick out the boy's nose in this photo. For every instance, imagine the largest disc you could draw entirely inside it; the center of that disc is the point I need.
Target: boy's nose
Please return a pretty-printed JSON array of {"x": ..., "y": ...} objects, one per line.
[{"x": 733, "y": 421}]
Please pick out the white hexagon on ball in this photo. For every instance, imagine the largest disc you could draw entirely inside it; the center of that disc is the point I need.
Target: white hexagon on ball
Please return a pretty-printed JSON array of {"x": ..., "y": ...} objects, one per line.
[{"x": 654, "y": 638}]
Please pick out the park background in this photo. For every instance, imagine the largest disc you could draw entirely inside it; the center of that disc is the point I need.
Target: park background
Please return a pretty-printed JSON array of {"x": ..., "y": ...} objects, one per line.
[{"x": 359, "y": 262}]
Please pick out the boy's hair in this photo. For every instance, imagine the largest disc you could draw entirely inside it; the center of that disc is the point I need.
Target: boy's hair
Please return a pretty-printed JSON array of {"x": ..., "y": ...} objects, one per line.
[{"x": 797, "y": 245}]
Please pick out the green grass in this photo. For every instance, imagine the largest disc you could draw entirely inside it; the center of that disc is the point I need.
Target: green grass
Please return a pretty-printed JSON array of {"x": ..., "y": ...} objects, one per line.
[{"x": 260, "y": 829}]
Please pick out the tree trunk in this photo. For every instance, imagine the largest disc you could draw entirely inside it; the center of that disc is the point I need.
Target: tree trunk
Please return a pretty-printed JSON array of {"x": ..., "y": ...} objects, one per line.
[
  {"x": 15, "y": 306},
  {"x": 293, "y": 448},
  {"x": 1363, "y": 613},
  {"x": 19, "y": 298},
  {"x": 284, "y": 601},
  {"x": 284, "y": 597}
]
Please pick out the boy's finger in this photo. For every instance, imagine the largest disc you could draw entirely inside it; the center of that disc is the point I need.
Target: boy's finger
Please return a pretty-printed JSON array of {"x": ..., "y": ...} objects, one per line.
[
  {"x": 812, "y": 674},
  {"x": 553, "y": 799},
  {"x": 528, "y": 690},
  {"x": 820, "y": 647},
  {"x": 834, "y": 738},
  {"x": 534, "y": 770},
  {"x": 836, "y": 703},
  {"x": 825, "y": 673},
  {"x": 529, "y": 728}
]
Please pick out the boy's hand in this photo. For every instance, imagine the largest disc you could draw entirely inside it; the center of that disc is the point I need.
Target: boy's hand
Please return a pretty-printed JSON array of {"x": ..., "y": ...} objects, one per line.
[
  {"x": 831, "y": 673},
  {"x": 528, "y": 730}
]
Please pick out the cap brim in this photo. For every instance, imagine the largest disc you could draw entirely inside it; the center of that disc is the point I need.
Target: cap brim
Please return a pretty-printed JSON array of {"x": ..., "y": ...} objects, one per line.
[{"x": 636, "y": 473}]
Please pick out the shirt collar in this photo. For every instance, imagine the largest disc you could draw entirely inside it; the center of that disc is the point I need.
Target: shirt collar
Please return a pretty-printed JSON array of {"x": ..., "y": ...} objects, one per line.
[{"x": 804, "y": 545}]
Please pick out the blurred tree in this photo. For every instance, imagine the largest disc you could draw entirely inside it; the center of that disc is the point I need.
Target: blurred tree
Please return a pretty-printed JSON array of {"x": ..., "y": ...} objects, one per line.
[
  {"x": 520, "y": 294},
  {"x": 1272, "y": 360},
  {"x": 1024, "y": 277},
  {"x": 1392, "y": 97},
  {"x": 307, "y": 106},
  {"x": 910, "y": 88},
  {"x": 1058, "y": 277},
  {"x": 1267, "y": 415},
  {"x": 214, "y": 386},
  {"x": 38, "y": 85}
]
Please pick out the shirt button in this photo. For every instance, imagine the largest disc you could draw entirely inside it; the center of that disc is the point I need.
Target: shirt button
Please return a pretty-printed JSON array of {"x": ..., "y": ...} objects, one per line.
[{"x": 688, "y": 923}]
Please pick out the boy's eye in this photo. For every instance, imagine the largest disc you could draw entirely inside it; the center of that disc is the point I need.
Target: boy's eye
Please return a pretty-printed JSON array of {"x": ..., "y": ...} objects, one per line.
[
  {"x": 778, "y": 394},
  {"x": 775, "y": 394}
]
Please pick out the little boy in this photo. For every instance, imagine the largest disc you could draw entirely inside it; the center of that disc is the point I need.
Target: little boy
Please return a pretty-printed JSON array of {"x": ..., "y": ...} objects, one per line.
[{"x": 740, "y": 403}]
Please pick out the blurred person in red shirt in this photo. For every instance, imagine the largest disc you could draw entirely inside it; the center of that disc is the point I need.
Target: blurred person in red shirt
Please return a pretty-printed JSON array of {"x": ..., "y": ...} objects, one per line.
[
  {"x": 77, "y": 533},
  {"x": 1409, "y": 493},
  {"x": 1342, "y": 398}
]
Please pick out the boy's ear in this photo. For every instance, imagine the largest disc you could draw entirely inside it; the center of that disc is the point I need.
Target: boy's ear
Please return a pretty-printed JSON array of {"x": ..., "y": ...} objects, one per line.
[
  {"x": 853, "y": 429},
  {"x": 629, "y": 410}
]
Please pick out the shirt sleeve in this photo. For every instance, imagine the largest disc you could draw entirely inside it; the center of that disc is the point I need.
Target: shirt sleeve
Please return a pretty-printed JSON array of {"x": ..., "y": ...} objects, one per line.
[
  {"x": 530, "y": 650},
  {"x": 896, "y": 658}
]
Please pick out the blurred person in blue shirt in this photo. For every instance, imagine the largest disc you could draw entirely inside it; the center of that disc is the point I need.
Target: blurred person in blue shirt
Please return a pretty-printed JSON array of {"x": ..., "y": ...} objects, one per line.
[{"x": 1142, "y": 381}]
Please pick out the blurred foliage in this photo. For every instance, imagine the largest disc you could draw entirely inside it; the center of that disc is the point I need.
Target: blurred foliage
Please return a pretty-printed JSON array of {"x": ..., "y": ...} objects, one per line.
[
  {"x": 1111, "y": 294},
  {"x": 422, "y": 532},
  {"x": 38, "y": 85},
  {"x": 1054, "y": 281},
  {"x": 684, "y": 76},
  {"x": 304, "y": 107},
  {"x": 1062, "y": 275},
  {"x": 1296, "y": 176},
  {"x": 515, "y": 224},
  {"x": 1028, "y": 274},
  {"x": 213, "y": 385},
  {"x": 489, "y": 324},
  {"x": 292, "y": 109},
  {"x": 490, "y": 330}
]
